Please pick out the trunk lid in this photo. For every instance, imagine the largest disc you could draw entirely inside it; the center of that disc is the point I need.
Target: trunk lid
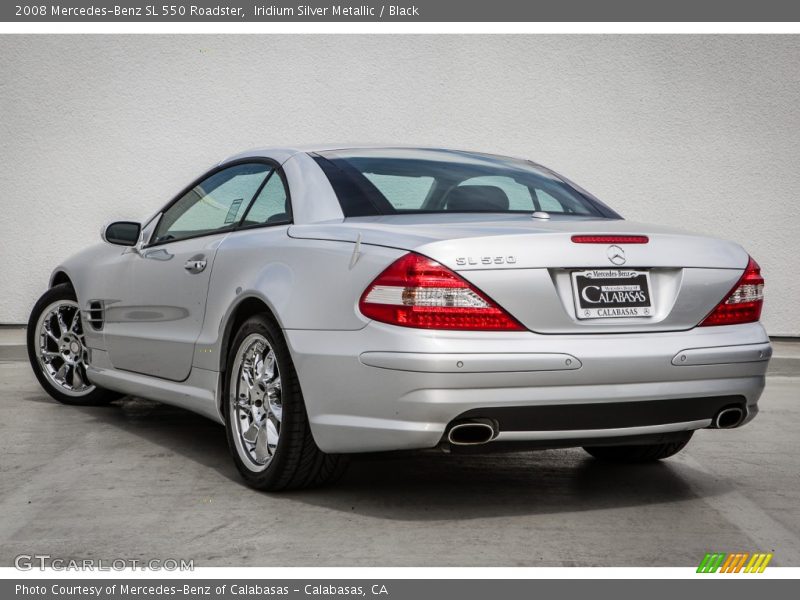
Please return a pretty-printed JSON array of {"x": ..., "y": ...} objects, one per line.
[{"x": 526, "y": 264}]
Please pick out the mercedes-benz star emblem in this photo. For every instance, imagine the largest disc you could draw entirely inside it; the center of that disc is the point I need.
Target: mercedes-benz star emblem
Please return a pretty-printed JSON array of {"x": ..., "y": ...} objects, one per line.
[{"x": 616, "y": 255}]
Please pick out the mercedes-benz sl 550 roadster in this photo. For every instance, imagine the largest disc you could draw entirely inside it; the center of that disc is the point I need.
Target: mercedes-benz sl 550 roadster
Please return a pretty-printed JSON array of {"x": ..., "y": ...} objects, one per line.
[{"x": 333, "y": 300}]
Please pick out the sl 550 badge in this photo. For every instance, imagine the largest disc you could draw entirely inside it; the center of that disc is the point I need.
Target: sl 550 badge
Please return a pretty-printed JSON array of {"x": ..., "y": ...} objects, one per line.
[{"x": 485, "y": 260}]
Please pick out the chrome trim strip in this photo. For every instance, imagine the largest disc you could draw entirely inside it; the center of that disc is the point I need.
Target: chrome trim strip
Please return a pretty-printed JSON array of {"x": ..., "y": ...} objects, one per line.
[{"x": 527, "y": 436}]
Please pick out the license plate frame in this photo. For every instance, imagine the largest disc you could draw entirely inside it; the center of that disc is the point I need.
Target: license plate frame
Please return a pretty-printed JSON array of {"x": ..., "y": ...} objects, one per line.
[{"x": 612, "y": 293}]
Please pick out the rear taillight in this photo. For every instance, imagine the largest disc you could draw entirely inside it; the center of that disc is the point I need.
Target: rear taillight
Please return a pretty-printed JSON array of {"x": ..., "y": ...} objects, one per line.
[
  {"x": 743, "y": 303},
  {"x": 415, "y": 291}
]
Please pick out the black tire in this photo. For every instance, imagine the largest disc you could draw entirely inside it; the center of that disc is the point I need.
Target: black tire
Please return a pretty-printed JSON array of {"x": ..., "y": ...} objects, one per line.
[
  {"x": 97, "y": 396},
  {"x": 638, "y": 454},
  {"x": 297, "y": 462}
]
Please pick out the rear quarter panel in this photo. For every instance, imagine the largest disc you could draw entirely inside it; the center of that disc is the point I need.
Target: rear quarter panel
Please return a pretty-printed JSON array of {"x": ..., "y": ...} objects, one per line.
[{"x": 307, "y": 284}]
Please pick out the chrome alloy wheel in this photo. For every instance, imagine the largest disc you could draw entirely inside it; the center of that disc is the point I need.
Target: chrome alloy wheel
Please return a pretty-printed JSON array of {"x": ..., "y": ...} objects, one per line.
[
  {"x": 256, "y": 407},
  {"x": 61, "y": 348}
]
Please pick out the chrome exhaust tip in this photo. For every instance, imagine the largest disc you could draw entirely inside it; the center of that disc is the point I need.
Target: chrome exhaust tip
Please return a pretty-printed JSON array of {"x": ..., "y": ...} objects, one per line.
[
  {"x": 730, "y": 417},
  {"x": 472, "y": 433}
]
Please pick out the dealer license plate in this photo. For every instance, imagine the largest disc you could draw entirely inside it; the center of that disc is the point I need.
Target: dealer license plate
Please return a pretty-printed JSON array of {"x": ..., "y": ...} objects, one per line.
[{"x": 611, "y": 293}]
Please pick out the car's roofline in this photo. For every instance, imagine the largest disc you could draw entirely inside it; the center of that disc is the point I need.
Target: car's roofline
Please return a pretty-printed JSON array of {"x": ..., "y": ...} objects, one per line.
[{"x": 284, "y": 153}]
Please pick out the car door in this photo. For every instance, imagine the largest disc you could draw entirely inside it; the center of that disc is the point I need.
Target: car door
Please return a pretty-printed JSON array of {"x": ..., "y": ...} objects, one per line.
[{"x": 156, "y": 332}]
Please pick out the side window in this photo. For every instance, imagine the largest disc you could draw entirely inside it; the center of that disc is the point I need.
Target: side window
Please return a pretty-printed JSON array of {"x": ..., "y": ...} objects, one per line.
[
  {"x": 547, "y": 203},
  {"x": 404, "y": 193},
  {"x": 271, "y": 206},
  {"x": 519, "y": 196},
  {"x": 215, "y": 204},
  {"x": 555, "y": 202}
]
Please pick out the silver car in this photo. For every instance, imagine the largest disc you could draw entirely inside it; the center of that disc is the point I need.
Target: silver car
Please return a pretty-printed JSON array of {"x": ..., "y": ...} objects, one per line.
[{"x": 332, "y": 300}]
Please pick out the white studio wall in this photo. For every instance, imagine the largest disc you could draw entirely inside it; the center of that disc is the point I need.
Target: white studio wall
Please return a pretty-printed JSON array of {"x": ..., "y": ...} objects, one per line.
[{"x": 698, "y": 132}]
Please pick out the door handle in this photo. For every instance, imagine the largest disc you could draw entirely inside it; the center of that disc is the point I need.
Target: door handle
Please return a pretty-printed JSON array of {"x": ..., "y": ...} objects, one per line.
[{"x": 196, "y": 264}]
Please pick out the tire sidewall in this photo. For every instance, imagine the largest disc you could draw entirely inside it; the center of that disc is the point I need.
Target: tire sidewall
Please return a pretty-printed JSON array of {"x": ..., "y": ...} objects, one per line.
[
  {"x": 57, "y": 293},
  {"x": 290, "y": 401}
]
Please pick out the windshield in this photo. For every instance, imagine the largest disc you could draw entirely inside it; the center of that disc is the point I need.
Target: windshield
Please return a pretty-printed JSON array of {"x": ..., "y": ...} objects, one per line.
[{"x": 397, "y": 181}]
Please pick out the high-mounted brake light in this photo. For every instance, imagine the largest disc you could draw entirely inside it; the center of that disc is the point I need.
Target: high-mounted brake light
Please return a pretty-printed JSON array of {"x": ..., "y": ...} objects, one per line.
[
  {"x": 415, "y": 291},
  {"x": 743, "y": 303},
  {"x": 610, "y": 239}
]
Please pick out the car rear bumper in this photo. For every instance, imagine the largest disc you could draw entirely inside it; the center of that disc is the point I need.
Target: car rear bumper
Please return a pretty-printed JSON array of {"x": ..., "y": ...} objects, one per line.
[{"x": 392, "y": 388}]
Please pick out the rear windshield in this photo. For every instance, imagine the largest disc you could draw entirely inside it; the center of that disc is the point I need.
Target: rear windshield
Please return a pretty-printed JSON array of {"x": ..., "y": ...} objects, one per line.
[{"x": 396, "y": 181}]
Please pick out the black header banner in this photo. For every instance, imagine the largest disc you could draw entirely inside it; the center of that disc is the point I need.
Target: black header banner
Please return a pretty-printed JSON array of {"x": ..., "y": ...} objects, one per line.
[{"x": 151, "y": 11}]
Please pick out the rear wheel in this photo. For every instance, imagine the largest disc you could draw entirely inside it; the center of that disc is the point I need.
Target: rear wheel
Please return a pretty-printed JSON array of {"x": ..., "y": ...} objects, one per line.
[
  {"x": 266, "y": 421},
  {"x": 57, "y": 349},
  {"x": 638, "y": 454}
]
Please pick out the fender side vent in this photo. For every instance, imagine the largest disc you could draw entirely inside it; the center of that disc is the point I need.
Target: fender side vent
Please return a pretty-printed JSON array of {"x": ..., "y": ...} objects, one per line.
[{"x": 96, "y": 315}]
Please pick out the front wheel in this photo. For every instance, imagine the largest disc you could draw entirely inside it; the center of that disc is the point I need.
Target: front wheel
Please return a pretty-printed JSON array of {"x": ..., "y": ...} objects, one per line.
[
  {"x": 57, "y": 349},
  {"x": 638, "y": 454},
  {"x": 265, "y": 416}
]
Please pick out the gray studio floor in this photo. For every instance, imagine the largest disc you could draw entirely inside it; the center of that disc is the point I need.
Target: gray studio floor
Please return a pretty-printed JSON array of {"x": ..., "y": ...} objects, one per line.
[{"x": 139, "y": 480}]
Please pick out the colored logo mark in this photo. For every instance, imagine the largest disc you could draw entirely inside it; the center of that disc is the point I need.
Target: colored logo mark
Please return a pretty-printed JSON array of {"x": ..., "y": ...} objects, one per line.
[{"x": 737, "y": 562}]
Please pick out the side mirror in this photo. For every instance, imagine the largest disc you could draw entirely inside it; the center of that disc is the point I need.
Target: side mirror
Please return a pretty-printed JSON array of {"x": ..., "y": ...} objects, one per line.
[{"x": 122, "y": 233}]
